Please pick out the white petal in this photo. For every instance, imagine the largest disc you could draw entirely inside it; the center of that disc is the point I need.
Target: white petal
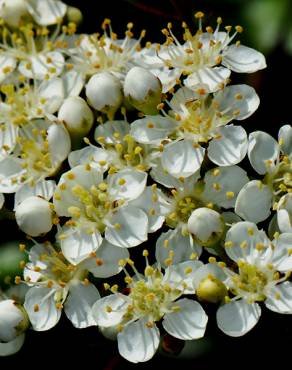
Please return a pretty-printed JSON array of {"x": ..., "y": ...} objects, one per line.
[
  {"x": 89, "y": 154},
  {"x": 8, "y": 137},
  {"x": 280, "y": 298},
  {"x": 168, "y": 77},
  {"x": 78, "y": 305},
  {"x": 44, "y": 189},
  {"x": 2, "y": 200},
  {"x": 188, "y": 323},
  {"x": 77, "y": 245},
  {"x": 237, "y": 318},
  {"x": 47, "y": 315},
  {"x": 181, "y": 276},
  {"x": 243, "y": 238},
  {"x": 40, "y": 68},
  {"x": 230, "y": 147},
  {"x": 243, "y": 59},
  {"x": 107, "y": 318},
  {"x": 110, "y": 255},
  {"x": 152, "y": 202},
  {"x": 254, "y": 202},
  {"x": 7, "y": 349},
  {"x": 109, "y": 130},
  {"x": 230, "y": 180},
  {"x": 182, "y": 159},
  {"x": 127, "y": 184},
  {"x": 7, "y": 64},
  {"x": 132, "y": 229},
  {"x": 46, "y": 12},
  {"x": 53, "y": 93},
  {"x": 282, "y": 258},
  {"x": 210, "y": 79},
  {"x": 262, "y": 147},
  {"x": 152, "y": 129},
  {"x": 59, "y": 143},
  {"x": 73, "y": 83},
  {"x": 284, "y": 213},
  {"x": 285, "y": 139},
  {"x": 182, "y": 246},
  {"x": 10, "y": 175},
  {"x": 209, "y": 269},
  {"x": 237, "y": 101},
  {"x": 137, "y": 342}
]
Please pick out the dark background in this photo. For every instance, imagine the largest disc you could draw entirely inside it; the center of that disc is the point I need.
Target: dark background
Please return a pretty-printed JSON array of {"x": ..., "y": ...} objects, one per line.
[{"x": 271, "y": 340}]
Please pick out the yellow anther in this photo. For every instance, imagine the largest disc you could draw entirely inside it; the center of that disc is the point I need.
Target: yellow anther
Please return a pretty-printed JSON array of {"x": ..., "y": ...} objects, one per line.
[
  {"x": 149, "y": 271},
  {"x": 117, "y": 226},
  {"x": 122, "y": 182},
  {"x": 199, "y": 15},
  {"x": 114, "y": 288},
  {"x": 188, "y": 270},
  {"x": 212, "y": 260},
  {"x": 216, "y": 186},
  {"x": 228, "y": 244},
  {"x": 216, "y": 172},
  {"x": 145, "y": 253},
  {"x": 230, "y": 194},
  {"x": 36, "y": 308},
  {"x": 166, "y": 243},
  {"x": 250, "y": 231},
  {"x": 239, "y": 29},
  {"x": 128, "y": 280},
  {"x": 222, "y": 264},
  {"x": 74, "y": 211},
  {"x": 260, "y": 246},
  {"x": 99, "y": 262},
  {"x": 108, "y": 309},
  {"x": 243, "y": 244},
  {"x": 70, "y": 176},
  {"x": 193, "y": 256},
  {"x": 106, "y": 286},
  {"x": 22, "y": 247},
  {"x": 17, "y": 280}
]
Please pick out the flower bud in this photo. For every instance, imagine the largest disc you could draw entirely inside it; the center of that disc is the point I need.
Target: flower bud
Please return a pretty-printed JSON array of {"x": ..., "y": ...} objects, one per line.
[
  {"x": 12, "y": 11},
  {"x": 206, "y": 226},
  {"x": 104, "y": 93},
  {"x": 211, "y": 289},
  {"x": 77, "y": 116},
  {"x": 13, "y": 320},
  {"x": 74, "y": 15},
  {"x": 34, "y": 216},
  {"x": 143, "y": 90}
]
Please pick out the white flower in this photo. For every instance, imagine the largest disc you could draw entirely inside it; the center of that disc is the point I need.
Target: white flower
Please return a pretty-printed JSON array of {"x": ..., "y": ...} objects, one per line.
[
  {"x": 99, "y": 206},
  {"x": 104, "y": 53},
  {"x": 34, "y": 216},
  {"x": 272, "y": 159},
  {"x": 56, "y": 283},
  {"x": 43, "y": 12},
  {"x": 37, "y": 54},
  {"x": 41, "y": 148},
  {"x": 206, "y": 226},
  {"x": 77, "y": 116},
  {"x": 119, "y": 149},
  {"x": 206, "y": 58},
  {"x": 104, "y": 93},
  {"x": 24, "y": 102},
  {"x": 153, "y": 296},
  {"x": 13, "y": 321},
  {"x": 218, "y": 189},
  {"x": 196, "y": 119},
  {"x": 263, "y": 267},
  {"x": 143, "y": 90}
]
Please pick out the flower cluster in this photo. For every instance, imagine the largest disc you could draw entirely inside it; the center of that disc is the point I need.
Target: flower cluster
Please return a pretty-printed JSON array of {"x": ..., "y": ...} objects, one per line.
[{"x": 106, "y": 140}]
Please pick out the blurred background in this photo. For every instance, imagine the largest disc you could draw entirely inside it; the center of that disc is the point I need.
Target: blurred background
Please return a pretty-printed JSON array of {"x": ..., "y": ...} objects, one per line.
[{"x": 268, "y": 28}]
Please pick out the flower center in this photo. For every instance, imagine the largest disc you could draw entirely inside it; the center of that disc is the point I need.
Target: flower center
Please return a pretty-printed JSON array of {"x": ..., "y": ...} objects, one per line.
[
  {"x": 281, "y": 178},
  {"x": 35, "y": 154},
  {"x": 96, "y": 204},
  {"x": 151, "y": 298},
  {"x": 251, "y": 281}
]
